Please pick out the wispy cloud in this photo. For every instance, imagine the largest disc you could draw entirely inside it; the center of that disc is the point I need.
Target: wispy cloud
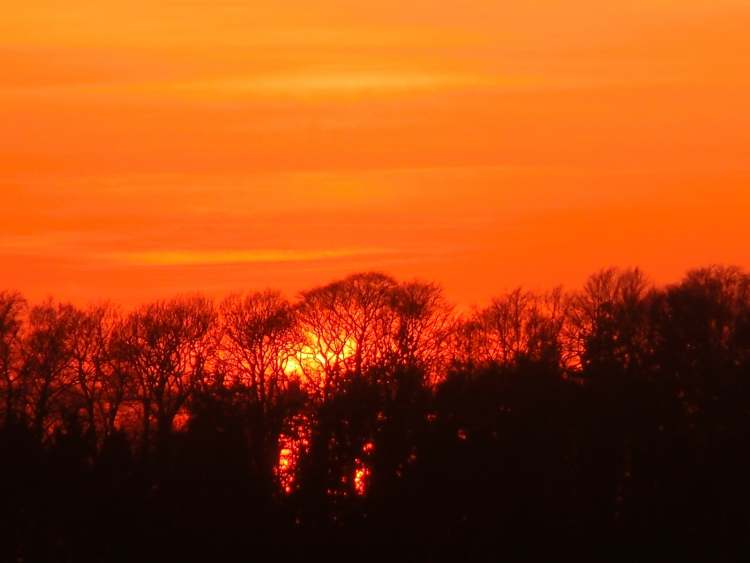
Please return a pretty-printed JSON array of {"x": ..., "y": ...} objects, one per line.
[
  {"x": 216, "y": 257},
  {"x": 330, "y": 82},
  {"x": 79, "y": 245}
]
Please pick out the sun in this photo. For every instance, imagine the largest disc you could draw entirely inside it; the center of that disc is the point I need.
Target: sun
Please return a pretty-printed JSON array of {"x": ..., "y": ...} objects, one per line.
[{"x": 318, "y": 358}]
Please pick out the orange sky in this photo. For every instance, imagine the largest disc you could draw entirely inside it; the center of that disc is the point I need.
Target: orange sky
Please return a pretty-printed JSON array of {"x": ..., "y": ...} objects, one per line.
[{"x": 149, "y": 148}]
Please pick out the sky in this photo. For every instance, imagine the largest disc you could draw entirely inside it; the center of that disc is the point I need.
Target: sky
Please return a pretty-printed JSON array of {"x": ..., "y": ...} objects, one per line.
[{"x": 155, "y": 148}]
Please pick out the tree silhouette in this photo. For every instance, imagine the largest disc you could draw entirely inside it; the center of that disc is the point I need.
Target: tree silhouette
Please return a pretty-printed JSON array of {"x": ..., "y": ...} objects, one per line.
[
  {"x": 12, "y": 306},
  {"x": 259, "y": 336},
  {"x": 167, "y": 347},
  {"x": 368, "y": 411}
]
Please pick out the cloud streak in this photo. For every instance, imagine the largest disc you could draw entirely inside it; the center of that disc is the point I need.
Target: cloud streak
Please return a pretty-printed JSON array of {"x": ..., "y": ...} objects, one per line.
[
  {"x": 218, "y": 257},
  {"x": 333, "y": 82}
]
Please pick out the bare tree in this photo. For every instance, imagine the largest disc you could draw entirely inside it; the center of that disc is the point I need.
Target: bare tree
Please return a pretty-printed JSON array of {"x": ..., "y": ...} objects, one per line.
[
  {"x": 325, "y": 344},
  {"x": 167, "y": 346},
  {"x": 259, "y": 334},
  {"x": 346, "y": 327},
  {"x": 704, "y": 330},
  {"x": 424, "y": 324},
  {"x": 519, "y": 325},
  {"x": 607, "y": 323},
  {"x": 366, "y": 314},
  {"x": 47, "y": 363},
  {"x": 12, "y": 307},
  {"x": 258, "y": 337},
  {"x": 99, "y": 384}
]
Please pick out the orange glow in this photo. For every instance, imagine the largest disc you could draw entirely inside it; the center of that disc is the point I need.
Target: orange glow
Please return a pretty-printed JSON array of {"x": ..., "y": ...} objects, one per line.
[
  {"x": 153, "y": 148},
  {"x": 362, "y": 470},
  {"x": 361, "y": 475},
  {"x": 292, "y": 446},
  {"x": 316, "y": 357},
  {"x": 285, "y": 469}
]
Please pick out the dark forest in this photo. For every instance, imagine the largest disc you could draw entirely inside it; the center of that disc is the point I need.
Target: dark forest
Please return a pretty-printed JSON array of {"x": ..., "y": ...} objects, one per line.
[{"x": 369, "y": 412}]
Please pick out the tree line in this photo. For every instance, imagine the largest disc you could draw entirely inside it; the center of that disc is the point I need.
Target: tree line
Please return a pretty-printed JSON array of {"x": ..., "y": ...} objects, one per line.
[{"x": 368, "y": 411}]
